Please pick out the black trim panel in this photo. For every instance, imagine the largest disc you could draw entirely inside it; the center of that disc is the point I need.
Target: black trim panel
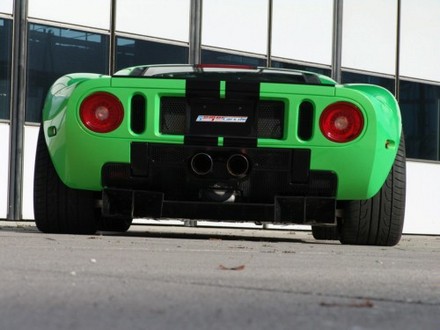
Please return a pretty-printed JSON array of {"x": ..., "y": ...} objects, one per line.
[
  {"x": 150, "y": 204},
  {"x": 200, "y": 88}
]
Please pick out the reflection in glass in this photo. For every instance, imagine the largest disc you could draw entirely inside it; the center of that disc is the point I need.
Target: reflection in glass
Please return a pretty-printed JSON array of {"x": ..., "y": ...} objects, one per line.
[
  {"x": 420, "y": 105},
  {"x": 350, "y": 77},
  {"x": 285, "y": 65},
  {"x": 5, "y": 67},
  {"x": 132, "y": 52},
  {"x": 214, "y": 57},
  {"x": 54, "y": 52}
]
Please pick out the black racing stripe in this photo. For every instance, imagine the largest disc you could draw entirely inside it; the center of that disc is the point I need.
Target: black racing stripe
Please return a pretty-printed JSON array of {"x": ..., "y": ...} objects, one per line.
[
  {"x": 203, "y": 97},
  {"x": 199, "y": 88},
  {"x": 242, "y": 90},
  {"x": 240, "y": 142},
  {"x": 200, "y": 140}
]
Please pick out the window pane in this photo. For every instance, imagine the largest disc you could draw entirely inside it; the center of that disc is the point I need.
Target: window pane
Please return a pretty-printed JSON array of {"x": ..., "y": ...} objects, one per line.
[
  {"x": 131, "y": 52},
  {"x": 92, "y": 13},
  {"x": 213, "y": 57},
  {"x": 168, "y": 19},
  {"x": 369, "y": 35},
  {"x": 419, "y": 46},
  {"x": 420, "y": 105},
  {"x": 350, "y": 77},
  {"x": 6, "y": 6},
  {"x": 5, "y": 67},
  {"x": 54, "y": 52},
  {"x": 302, "y": 30},
  {"x": 235, "y": 24}
]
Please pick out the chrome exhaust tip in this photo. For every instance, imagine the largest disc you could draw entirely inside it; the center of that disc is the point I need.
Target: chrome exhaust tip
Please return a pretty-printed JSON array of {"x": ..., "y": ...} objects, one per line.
[
  {"x": 238, "y": 165},
  {"x": 202, "y": 163}
]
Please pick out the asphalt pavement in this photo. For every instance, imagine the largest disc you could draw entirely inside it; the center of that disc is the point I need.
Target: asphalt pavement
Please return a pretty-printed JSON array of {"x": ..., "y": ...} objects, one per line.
[{"x": 175, "y": 277}]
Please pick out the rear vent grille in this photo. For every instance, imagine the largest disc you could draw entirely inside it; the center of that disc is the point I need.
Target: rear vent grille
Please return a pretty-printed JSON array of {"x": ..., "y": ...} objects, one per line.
[
  {"x": 270, "y": 121},
  {"x": 138, "y": 114},
  {"x": 305, "y": 121},
  {"x": 172, "y": 115}
]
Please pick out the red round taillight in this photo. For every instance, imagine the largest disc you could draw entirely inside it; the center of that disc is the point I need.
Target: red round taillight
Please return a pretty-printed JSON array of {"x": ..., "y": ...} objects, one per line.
[
  {"x": 101, "y": 112},
  {"x": 341, "y": 122}
]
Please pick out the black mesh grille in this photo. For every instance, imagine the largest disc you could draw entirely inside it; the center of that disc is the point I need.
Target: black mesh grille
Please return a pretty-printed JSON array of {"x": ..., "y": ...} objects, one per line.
[
  {"x": 172, "y": 115},
  {"x": 270, "y": 121}
]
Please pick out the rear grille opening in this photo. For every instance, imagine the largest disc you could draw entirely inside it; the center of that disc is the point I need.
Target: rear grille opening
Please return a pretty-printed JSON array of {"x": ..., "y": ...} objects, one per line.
[
  {"x": 270, "y": 121},
  {"x": 305, "y": 121},
  {"x": 172, "y": 115},
  {"x": 138, "y": 114}
]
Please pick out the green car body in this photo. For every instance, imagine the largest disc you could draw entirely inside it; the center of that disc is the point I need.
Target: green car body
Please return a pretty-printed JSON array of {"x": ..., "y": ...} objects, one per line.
[{"x": 360, "y": 166}]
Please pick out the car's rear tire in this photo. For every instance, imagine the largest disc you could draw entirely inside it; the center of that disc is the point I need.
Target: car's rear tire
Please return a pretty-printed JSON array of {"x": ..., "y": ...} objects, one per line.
[
  {"x": 378, "y": 220},
  {"x": 58, "y": 208}
]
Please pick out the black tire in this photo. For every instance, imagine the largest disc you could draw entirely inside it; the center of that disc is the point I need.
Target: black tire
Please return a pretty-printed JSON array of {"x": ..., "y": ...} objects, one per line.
[
  {"x": 325, "y": 233},
  {"x": 120, "y": 225},
  {"x": 58, "y": 208},
  {"x": 378, "y": 220}
]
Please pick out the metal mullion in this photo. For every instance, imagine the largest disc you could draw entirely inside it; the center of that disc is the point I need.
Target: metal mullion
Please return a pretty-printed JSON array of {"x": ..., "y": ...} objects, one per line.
[
  {"x": 269, "y": 33},
  {"x": 18, "y": 107},
  {"x": 195, "y": 32},
  {"x": 397, "y": 78},
  {"x": 337, "y": 40},
  {"x": 112, "y": 52}
]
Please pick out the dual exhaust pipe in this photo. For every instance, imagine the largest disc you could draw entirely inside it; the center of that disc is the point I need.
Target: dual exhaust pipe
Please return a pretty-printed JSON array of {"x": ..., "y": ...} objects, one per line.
[{"x": 237, "y": 165}]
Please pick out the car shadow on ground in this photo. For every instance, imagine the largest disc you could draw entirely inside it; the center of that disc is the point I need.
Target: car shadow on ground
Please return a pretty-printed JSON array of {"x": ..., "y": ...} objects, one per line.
[
  {"x": 220, "y": 233},
  {"x": 193, "y": 233}
]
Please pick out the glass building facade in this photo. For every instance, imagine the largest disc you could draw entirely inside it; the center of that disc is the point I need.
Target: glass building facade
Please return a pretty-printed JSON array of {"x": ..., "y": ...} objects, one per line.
[
  {"x": 131, "y": 52},
  {"x": 60, "y": 42},
  {"x": 54, "y": 51}
]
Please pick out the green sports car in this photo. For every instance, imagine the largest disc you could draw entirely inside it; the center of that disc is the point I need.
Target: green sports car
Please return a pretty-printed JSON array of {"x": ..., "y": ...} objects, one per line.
[{"x": 221, "y": 143}]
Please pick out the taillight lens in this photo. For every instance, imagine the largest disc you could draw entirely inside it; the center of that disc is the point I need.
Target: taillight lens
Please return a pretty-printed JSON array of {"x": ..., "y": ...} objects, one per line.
[
  {"x": 102, "y": 112},
  {"x": 341, "y": 122}
]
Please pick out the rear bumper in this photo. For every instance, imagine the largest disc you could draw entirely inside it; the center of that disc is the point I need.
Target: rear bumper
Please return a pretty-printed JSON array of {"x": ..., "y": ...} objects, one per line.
[{"x": 276, "y": 185}]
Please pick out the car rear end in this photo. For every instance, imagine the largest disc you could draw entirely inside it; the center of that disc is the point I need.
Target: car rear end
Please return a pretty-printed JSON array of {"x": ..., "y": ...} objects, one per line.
[{"x": 236, "y": 143}]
